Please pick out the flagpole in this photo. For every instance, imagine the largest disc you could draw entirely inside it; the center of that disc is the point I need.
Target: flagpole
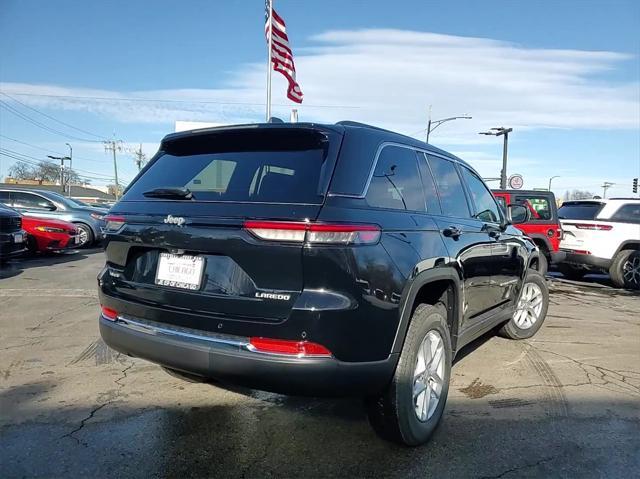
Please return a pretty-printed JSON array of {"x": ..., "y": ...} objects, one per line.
[{"x": 269, "y": 61}]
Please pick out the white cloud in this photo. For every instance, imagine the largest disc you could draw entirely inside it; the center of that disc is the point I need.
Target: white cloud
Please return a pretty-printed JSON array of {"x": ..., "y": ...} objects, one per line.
[{"x": 389, "y": 77}]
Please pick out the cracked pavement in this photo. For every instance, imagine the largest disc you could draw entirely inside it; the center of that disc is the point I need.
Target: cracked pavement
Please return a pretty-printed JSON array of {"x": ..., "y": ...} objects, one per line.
[{"x": 565, "y": 403}]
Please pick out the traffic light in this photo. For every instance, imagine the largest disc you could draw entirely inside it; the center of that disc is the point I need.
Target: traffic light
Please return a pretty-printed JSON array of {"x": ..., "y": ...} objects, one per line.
[{"x": 635, "y": 185}]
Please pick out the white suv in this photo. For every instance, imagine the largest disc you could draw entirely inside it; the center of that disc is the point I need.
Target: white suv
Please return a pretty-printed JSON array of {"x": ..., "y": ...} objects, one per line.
[{"x": 602, "y": 236}]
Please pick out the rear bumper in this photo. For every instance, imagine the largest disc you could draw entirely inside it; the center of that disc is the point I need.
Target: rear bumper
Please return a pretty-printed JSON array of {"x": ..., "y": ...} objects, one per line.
[
  {"x": 587, "y": 261},
  {"x": 227, "y": 359}
]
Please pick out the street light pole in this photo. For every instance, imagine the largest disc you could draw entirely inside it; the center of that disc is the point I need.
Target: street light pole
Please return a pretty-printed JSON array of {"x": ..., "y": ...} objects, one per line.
[
  {"x": 549, "y": 189},
  {"x": 432, "y": 125},
  {"x": 502, "y": 131},
  {"x": 70, "y": 166}
]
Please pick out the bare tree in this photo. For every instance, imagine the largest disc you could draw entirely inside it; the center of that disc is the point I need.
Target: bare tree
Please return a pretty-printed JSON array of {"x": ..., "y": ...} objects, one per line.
[
  {"x": 580, "y": 195},
  {"x": 44, "y": 171}
]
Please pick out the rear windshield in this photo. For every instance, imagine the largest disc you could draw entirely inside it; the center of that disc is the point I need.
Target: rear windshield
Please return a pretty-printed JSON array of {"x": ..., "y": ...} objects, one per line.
[
  {"x": 579, "y": 211},
  {"x": 258, "y": 166}
]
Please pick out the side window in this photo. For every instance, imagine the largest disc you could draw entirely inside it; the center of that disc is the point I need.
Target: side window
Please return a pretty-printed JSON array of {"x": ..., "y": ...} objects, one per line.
[
  {"x": 396, "y": 182},
  {"x": 628, "y": 213},
  {"x": 538, "y": 206},
  {"x": 486, "y": 207},
  {"x": 4, "y": 197},
  {"x": 31, "y": 201},
  {"x": 430, "y": 191},
  {"x": 450, "y": 190}
]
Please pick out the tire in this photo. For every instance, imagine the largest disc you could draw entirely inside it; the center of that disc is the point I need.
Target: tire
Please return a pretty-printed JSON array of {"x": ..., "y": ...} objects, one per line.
[
  {"x": 394, "y": 414},
  {"x": 86, "y": 235},
  {"x": 625, "y": 270},
  {"x": 543, "y": 263},
  {"x": 530, "y": 312},
  {"x": 571, "y": 273}
]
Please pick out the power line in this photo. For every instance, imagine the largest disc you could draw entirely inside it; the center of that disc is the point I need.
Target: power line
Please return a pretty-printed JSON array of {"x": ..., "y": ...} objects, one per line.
[
  {"x": 171, "y": 100},
  {"x": 31, "y": 145},
  {"x": 28, "y": 119},
  {"x": 22, "y": 155},
  {"x": 53, "y": 118}
]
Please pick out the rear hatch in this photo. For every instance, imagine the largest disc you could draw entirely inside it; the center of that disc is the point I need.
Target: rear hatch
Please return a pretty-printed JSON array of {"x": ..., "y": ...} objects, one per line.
[
  {"x": 176, "y": 239},
  {"x": 579, "y": 225}
]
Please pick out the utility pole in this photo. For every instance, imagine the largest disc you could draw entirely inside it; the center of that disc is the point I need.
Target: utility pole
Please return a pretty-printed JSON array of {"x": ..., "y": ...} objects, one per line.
[
  {"x": 433, "y": 124},
  {"x": 140, "y": 157},
  {"x": 605, "y": 186},
  {"x": 114, "y": 146},
  {"x": 502, "y": 131},
  {"x": 62, "y": 160},
  {"x": 70, "y": 166}
]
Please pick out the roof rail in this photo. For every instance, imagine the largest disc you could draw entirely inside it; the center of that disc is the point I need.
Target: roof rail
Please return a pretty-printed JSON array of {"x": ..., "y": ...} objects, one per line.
[{"x": 361, "y": 125}]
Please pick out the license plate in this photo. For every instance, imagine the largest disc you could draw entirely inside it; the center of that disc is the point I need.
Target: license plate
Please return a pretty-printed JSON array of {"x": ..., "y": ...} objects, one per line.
[
  {"x": 18, "y": 238},
  {"x": 180, "y": 271}
]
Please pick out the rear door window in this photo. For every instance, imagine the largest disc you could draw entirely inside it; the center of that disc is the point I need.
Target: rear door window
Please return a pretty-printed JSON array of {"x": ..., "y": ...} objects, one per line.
[
  {"x": 628, "y": 213},
  {"x": 452, "y": 195},
  {"x": 538, "y": 206},
  {"x": 254, "y": 167},
  {"x": 395, "y": 183},
  {"x": 430, "y": 191},
  {"x": 580, "y": 210},
  {"x": 31, "y": 201}
]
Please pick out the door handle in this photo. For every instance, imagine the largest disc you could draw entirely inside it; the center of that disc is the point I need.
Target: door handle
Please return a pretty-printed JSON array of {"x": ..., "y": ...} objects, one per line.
[{"x": 452, "y": 232}]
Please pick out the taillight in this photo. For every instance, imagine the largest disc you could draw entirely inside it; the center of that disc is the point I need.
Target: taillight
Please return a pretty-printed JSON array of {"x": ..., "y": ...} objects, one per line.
[
  {"x": 108, "y": 313},
  {"x": 114, "y": 223},
  {"x": 289, "y": 347},
  {"x": 587, "y": 226},
  {"x": 315, "y": 233}
]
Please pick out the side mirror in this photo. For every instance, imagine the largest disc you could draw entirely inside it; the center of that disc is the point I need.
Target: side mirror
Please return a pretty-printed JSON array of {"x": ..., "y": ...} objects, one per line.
[{"x": 517, "y": 214}]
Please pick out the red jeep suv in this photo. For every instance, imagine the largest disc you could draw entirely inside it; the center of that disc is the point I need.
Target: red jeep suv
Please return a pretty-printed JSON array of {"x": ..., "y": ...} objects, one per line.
[{"x": 543, "y": 226}]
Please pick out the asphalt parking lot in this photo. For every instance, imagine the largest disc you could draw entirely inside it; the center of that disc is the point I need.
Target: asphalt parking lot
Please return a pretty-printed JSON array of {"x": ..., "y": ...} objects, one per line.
[{"x": 564, "y": 404}]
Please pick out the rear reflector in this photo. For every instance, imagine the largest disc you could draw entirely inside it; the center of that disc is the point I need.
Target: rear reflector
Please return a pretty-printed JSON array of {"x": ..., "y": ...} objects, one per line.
[
  {"x": 288, "y": 347},
  {"x": 316, "y": 233},
  {"x": 588, "y": 226},
  {"x": 108, "y": 313},
  {"x": 579, "y": 251},
  {"x": 113, "y": 223}
]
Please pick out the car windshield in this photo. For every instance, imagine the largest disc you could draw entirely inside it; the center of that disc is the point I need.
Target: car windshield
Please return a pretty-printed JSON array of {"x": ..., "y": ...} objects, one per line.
[{"x": 580, "y": 210}]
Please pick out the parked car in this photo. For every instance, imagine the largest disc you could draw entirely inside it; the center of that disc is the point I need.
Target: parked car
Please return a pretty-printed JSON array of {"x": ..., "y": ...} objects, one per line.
[
  {"x": 47, "y": 235},
  {"x": 602, "y": 236},
  {"x": 49, "y": 204},
  {"x": 12, "y": 236},
  {"x": 543, "y": 226},
  {"x": 314, "y": 259}
]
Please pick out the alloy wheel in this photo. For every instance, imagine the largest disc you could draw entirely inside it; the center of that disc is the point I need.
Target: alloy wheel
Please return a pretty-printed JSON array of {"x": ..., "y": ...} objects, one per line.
[
  {"x": 428, "y": 375},
  {"x": 529, "y": 306},
  {"x": 631, "y": 271}
]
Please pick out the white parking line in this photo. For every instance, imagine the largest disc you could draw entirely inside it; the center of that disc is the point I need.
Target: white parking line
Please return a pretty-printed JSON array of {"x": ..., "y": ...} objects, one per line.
[{"x": 67, "y": 293}]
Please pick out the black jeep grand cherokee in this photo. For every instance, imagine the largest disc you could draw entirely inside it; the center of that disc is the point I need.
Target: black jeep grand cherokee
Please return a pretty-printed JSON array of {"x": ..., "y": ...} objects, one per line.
[{"x": 316, "y": 260}]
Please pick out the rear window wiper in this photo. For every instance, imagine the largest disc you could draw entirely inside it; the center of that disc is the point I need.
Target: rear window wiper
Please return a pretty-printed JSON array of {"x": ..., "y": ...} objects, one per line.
[{"x": 176, "y": 192}]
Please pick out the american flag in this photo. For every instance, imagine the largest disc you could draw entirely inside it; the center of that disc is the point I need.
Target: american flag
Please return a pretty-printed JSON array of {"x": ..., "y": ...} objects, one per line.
[{"x": 281, "y": 54}]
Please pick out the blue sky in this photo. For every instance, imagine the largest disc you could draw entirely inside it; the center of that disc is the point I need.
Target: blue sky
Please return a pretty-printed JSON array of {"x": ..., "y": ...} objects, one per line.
[{"x": 564, "y": 74}]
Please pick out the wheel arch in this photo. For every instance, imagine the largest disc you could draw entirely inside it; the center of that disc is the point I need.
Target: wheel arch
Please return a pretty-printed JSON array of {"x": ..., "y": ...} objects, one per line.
[
  {"x": 431, "y": 287},
  {"x": 540, "y": 239},
  {"x": 629, "y": 244}
]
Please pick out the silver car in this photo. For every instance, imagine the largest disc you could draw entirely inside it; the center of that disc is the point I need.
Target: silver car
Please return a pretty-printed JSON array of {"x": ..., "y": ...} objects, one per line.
[{"x": 49, "y": 204}]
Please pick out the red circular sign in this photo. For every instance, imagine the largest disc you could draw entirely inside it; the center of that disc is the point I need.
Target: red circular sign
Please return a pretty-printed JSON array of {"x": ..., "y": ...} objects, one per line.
[{"x": 516, "y": 182}]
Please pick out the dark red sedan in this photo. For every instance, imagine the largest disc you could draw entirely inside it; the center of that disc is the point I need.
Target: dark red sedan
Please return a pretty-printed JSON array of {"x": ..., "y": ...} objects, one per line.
[{"x": 45, "y": 234}]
